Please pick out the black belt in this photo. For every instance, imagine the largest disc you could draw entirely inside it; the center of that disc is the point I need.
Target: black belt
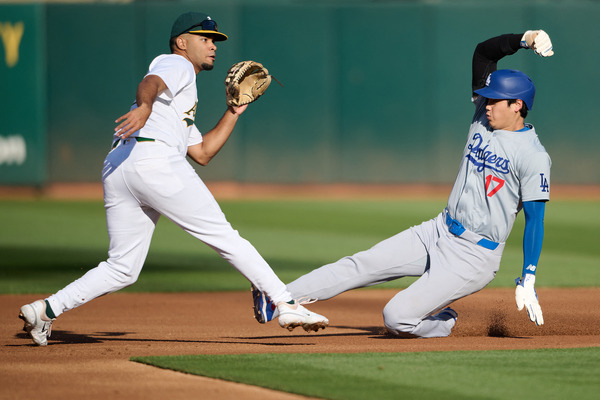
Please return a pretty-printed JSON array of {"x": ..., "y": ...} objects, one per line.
[{"x": 137, "y": 139}]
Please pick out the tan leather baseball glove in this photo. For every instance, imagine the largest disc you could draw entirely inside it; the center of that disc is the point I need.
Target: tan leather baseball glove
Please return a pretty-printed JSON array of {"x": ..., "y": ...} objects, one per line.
[{"x": 246, "y": 81}]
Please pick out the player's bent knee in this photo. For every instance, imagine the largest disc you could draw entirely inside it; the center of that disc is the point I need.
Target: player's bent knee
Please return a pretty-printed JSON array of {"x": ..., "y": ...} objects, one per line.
[
  {"x": 119, "y": 277},
  {"x": 396, "y": 323}
]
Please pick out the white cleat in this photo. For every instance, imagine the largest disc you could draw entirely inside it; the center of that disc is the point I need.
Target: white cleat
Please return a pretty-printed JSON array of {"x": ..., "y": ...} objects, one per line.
[
  {"x": 294, "y": 314},
  {"x": 36, "y": 325}
]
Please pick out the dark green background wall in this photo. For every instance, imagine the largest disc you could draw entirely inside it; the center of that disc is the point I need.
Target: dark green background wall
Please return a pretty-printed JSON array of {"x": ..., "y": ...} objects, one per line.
[
  {"x": 373, "y": 91},
  {"x": 22, "y": 96}
]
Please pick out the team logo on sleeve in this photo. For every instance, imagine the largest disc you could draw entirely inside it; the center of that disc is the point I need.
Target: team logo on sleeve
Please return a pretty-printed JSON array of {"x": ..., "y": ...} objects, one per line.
[
  {"x": 483, "y": 158},
  {"x": 544, "y": 184},
  {"x": 191, "y": 113}
]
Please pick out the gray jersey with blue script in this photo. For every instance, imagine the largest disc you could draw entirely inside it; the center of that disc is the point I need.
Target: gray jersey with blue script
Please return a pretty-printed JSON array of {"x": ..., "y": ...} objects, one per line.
[{"x": 499, "y": 170}]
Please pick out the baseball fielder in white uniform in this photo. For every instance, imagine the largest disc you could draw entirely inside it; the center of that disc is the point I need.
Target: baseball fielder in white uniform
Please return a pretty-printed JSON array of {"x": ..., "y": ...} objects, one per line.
[
  {"x": 504, "y": 169},
  {"x": 146, "y": 175}
]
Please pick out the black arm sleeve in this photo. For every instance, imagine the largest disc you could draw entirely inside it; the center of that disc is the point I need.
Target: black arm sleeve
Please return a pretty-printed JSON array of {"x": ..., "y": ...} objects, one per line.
[{"x": 487, "y": 54}]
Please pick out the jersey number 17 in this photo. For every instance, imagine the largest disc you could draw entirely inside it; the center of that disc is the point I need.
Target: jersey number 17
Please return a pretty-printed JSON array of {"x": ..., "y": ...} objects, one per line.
[{"x": 498, "y": 183}]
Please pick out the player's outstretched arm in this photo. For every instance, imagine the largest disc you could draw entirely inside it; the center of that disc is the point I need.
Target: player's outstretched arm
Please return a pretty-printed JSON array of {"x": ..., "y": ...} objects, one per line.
[
  {"x": 533, "y": 235},
  {"x": 147, "y": 91}
]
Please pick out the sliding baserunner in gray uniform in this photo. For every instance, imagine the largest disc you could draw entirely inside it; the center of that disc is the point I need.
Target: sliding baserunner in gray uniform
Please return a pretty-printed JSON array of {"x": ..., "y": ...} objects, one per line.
[{"x": 504, "y": 169}]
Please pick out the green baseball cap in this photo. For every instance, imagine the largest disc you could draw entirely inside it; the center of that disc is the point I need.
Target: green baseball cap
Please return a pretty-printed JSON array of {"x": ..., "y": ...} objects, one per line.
[{"x": 195, "y": 22}]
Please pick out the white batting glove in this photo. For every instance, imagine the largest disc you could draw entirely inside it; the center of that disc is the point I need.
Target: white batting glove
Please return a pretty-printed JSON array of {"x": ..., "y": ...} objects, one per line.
[
  {"x": 538, "y": 41},
  {"x": 526, "y": 297}
]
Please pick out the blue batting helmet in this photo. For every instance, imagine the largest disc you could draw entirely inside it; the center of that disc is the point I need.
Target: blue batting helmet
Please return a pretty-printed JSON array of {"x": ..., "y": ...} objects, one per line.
[{"x": 509, "y": 84}]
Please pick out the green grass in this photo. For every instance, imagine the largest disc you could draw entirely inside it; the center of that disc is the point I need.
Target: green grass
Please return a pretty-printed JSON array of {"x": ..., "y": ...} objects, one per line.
[
  {"x": 46, "y": 244},
  {"x": 512, "y": 374}
]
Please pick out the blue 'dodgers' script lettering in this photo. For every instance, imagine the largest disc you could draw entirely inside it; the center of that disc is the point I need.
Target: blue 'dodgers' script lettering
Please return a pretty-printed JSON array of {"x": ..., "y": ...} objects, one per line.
[{"x": 482, "y": 158}]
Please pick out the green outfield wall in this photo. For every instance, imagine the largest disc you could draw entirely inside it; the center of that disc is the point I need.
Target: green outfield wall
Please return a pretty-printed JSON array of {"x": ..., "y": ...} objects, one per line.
[
  {"x": 373, "y": 91},
  {"x": 23, "y": 130}
]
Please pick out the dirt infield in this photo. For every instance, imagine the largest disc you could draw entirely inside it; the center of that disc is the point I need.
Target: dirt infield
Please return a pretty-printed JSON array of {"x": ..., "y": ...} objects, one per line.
[{"x": 88, "y": 354}]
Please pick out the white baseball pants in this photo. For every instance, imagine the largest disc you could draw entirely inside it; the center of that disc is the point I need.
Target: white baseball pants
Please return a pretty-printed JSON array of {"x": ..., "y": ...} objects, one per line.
[{"x": 143, "y": 180}]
